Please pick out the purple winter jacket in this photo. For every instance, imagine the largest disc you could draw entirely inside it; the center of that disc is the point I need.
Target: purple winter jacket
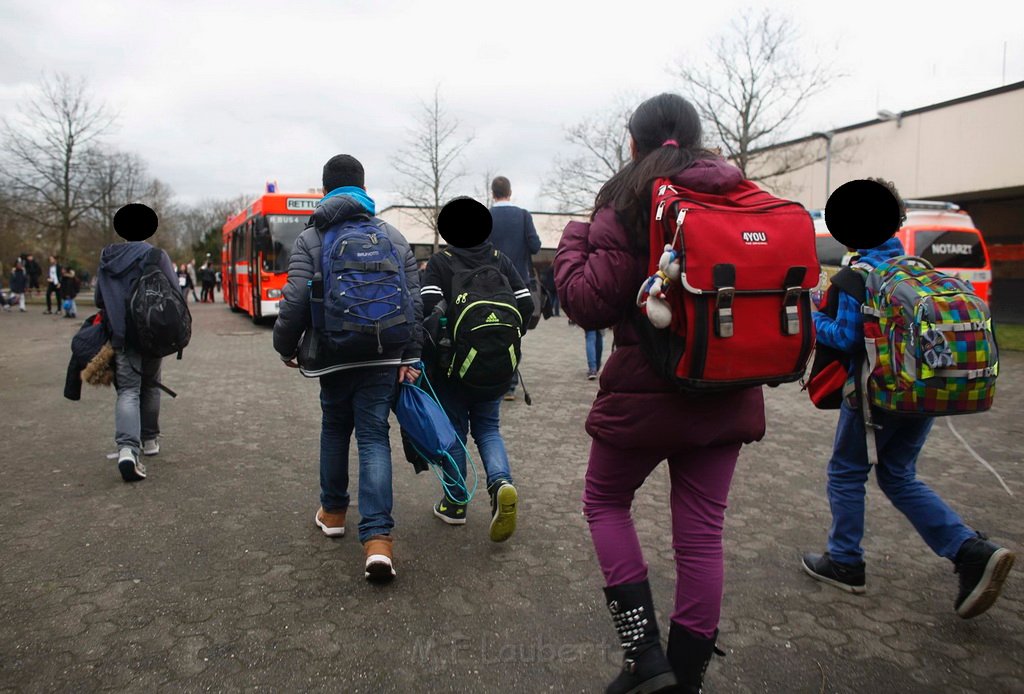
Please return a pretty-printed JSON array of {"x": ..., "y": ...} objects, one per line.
[{"x": 598, "y": 273}]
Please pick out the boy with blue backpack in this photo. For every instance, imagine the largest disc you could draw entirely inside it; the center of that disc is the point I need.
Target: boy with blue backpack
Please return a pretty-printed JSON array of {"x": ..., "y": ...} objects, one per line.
[
  {"x": 929, "y": 351},
  {"x": 482, "y": 300},
  {"x": 350, "y": 315}
]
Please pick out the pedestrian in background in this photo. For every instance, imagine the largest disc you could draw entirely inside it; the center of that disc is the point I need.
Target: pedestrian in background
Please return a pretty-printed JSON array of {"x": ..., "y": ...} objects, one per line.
[
  {"x": 514, "y": 235},
  {"x": 53, "y": 276},
  {"x": 19, "y": 285}
]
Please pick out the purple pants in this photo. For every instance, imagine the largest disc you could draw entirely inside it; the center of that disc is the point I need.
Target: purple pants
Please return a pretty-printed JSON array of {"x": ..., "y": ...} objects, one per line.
[{"x": 700, "y": 486}]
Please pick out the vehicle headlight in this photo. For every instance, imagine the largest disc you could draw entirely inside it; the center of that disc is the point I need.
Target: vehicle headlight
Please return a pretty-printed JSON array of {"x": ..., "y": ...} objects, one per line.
[{"x": 273, "y": 293}]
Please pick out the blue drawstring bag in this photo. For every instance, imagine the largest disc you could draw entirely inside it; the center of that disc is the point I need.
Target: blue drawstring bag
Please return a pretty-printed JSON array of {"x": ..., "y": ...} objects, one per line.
[{"x": 426, "y": 428}]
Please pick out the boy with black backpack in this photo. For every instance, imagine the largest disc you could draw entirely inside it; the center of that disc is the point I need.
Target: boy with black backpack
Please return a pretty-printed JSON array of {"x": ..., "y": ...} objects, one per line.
[
  {"x": 138, "y": 348},
  {"x": 906, "y": 311},
  {"x": 485, "y": 302},
  {"x": 350, "y": 315}
]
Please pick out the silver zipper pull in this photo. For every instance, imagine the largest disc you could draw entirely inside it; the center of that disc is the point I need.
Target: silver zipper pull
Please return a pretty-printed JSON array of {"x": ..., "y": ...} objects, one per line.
[{"x": 660, "y": 212}]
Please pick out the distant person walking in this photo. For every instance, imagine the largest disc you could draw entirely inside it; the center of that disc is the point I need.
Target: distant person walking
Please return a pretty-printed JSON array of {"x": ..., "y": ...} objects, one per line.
[
  {"x": 19, "y": 285},
  {"x": 69, "y": 286},
  {"x": 185, "y": 283},
  {"x": 208, "y": 276},
  {"x": 137, "y": 413},
  {"x": 53, "y": 275},
  {"x": 33, "y": 271},
  {"x": 547, "y": 278},
  {"x": 514, "y": 235},
  {"x": 595, "y": 345}
]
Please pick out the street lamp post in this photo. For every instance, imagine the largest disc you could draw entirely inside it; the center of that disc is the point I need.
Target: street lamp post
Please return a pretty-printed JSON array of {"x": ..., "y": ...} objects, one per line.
[{"x": 828, "y": 159}]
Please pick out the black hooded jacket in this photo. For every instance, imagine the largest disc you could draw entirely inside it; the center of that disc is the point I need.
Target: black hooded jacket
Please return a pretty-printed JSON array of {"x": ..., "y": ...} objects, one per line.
[
  {"x": 293, "y": 334},
  {"x": 120, "y": 266}
]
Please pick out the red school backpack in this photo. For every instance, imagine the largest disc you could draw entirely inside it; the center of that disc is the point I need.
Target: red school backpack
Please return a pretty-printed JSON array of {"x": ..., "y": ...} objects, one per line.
[{"x": 736, "y": 271}]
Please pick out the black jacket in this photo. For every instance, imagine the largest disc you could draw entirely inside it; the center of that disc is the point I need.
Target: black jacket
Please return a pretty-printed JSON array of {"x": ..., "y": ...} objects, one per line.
[
  {"x": 19, "y": 282},
  {"x": 437, "y": 280},
  {"x": 293, "y": 336}
]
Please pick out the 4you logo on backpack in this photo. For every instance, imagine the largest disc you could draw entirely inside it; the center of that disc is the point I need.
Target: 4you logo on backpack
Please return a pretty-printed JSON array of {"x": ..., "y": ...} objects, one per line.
[{"x": 755, "y": 238}]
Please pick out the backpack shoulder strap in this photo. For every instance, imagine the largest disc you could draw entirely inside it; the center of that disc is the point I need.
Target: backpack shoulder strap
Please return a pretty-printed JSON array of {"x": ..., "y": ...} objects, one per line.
[
  {"x": 851, "y": 281},
  {"x": 152, "y": 257}
]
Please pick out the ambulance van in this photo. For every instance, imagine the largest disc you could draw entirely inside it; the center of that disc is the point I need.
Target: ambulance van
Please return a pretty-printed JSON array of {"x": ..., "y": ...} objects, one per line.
[{"x": 939, "y": 232}]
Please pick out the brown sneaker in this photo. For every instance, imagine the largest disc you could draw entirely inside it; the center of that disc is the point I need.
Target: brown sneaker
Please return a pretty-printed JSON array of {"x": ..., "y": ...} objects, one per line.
[
  {"x": 333, "y": 524},
  {"x": 378, "y": 558}
]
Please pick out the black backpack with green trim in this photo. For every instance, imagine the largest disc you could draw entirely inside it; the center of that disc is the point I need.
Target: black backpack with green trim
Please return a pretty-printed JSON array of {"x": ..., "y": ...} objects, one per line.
[{"x": 486, "y": 330}]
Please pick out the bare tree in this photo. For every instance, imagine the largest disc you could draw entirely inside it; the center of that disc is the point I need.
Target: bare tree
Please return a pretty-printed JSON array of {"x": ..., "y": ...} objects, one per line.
[
  {"x": 117, "y": 178},
  {"x": 486, "y": 196},
  {"x": 47, "y": 155},
  {"x": 428, "y": 163},
  {"x": 754, "y": 86},
  {"x": 601, "y": 149}
]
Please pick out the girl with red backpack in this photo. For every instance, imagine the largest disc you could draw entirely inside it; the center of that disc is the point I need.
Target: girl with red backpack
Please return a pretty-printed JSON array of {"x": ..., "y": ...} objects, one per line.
[{"x": 639, "y": 419}]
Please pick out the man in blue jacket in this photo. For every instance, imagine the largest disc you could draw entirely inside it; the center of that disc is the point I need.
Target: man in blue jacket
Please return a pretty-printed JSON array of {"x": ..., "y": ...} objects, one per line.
[
  {"x": 137, "y": 413},
  {"x": 356, "y": 393},
  {"x": 514, "y": 234},
  {"x": 982, "y": 565}
]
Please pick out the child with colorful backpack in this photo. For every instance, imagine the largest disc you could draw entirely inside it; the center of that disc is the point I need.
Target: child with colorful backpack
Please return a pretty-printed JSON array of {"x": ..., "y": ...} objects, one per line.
[
  {"x": 485, "y": 300},
  {"x": 640, "y": 416},
  {"x": 886, "y": 427}
]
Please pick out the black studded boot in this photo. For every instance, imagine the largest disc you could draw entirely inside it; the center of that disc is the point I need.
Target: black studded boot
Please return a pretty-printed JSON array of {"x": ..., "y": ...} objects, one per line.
[
  {"x": 690, "y": 655},
  {"x": 644, "y": 667}
]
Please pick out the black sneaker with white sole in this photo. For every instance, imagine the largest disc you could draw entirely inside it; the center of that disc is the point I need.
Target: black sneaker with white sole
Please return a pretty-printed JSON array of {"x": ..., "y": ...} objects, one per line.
[
  {"x": 983, "y": 567},
  {"x": 450, "y": 512},
  {"x": 130, "y": 467},
  {"x": 822, "y": 567}
]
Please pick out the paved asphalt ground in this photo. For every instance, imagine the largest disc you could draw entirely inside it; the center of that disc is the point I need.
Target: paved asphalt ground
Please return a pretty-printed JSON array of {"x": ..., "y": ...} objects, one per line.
[{"x": 210, "y": 574}]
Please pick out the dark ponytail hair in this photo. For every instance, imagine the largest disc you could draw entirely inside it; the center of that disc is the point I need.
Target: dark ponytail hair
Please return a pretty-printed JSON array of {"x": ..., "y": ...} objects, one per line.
[{"x": 667, "y": 132}]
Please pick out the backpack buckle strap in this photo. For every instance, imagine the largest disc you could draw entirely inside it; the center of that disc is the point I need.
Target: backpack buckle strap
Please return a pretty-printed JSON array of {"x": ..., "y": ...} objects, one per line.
[
  {"x": 969, "y": 374},
  {"x": 375, "y": 266},
  {"x": 791, "y": 311},
  {"x": 724, "y": 276},
  {"x": 723, "y": 311}
]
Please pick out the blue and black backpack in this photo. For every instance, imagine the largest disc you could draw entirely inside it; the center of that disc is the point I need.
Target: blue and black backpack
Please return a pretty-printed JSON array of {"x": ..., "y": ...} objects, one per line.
[{"x": 367, "y": 310}]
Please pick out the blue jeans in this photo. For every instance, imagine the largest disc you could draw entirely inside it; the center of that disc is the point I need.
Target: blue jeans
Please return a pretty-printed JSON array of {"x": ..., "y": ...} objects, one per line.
[
  {"x": 899, "y": 442},
  {"x": 481, "y": 419},
  {"x": 595, "y": 343},
  {"x": 359, "y": 400},
  {"x": 137, "y": 412}
]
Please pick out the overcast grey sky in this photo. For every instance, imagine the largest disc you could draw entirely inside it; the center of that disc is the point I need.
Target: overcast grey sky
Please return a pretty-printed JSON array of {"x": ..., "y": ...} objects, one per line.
[{"x": 218, "y": 97}]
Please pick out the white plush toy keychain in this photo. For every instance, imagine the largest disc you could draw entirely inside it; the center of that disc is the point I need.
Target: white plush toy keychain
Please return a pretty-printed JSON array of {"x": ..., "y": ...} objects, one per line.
[{"x": 651, "y": 298}]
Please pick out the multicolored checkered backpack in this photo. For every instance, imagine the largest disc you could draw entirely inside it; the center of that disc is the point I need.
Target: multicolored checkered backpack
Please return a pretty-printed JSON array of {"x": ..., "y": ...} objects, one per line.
[{"x": 930, "y": 348}]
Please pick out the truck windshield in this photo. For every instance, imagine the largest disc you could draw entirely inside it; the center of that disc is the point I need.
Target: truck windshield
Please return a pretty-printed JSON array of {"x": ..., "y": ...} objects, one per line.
[
  {"x": 830, "y": 251},
  {"x": 952, "y": 248},
  {"x": 277, "y": 245}
]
